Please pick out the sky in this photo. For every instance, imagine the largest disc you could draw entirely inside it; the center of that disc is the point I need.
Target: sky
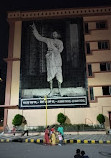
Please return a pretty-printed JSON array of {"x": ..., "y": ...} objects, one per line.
[{"x": 11, "y": 5}]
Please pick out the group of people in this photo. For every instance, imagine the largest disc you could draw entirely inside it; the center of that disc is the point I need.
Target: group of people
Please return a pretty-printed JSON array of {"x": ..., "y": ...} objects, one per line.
[
  {"x": 51, "y": 135},
  {"x": 80, "y": 154}
]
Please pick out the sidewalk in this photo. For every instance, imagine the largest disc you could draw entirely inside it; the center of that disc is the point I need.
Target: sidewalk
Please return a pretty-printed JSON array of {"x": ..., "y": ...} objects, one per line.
[{"x": 69, "y": 137}]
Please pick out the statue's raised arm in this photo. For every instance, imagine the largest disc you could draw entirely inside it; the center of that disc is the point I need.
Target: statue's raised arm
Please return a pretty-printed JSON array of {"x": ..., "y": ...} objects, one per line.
[{"x": 37, "y": 35}]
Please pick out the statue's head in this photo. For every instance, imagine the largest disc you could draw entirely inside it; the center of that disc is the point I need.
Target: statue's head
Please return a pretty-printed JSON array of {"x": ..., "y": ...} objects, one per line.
[{"x": 55, "y": 35}]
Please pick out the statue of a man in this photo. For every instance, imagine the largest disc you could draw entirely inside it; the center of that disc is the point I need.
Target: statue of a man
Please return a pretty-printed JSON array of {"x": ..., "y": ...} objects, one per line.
[{"x": 53, "y": 57}]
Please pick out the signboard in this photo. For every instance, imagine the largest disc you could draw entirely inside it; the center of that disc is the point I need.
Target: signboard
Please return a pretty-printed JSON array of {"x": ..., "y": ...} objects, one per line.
[{"x": 54, "y": 102}]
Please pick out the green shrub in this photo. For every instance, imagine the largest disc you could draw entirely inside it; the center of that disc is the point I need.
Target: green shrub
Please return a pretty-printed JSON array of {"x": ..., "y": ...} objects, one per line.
[
  {"x": 69, "y": 127},
  {"x": 61, "y": 118},
  {"x": 101, "y": 118},
  {"x": 18, "y": 119},
  {"x": 41, "y": 129}
]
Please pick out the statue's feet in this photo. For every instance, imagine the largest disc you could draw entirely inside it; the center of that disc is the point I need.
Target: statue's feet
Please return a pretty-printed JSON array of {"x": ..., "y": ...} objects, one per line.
[
  {"x": 50, "y": 94},
  {"x": 59, "y": 93}
]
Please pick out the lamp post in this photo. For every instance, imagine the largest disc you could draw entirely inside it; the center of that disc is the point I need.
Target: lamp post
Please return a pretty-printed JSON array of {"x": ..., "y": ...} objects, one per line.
[
  {"x": 0, "y": 76},
  {"x": 1, "y": 79},
  {"x": 45, "y": 99}
]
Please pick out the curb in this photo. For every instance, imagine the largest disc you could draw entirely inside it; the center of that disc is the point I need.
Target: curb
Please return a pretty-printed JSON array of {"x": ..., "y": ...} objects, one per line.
[
  {"x": 70, "y": 141},
  {"x": 5, "y": 140},
  {"x": 66, "y": 141}
]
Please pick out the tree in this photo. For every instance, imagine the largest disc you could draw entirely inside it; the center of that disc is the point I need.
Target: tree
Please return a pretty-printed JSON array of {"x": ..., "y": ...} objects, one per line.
[
  {"x": 18, "y": 119},
  {"x": 101, "y": 119},
  {"x": 61, "y": 118}
]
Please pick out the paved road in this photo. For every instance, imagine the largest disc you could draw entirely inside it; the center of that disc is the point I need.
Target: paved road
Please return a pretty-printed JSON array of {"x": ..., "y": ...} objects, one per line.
[{"x": 33, "y": 150}]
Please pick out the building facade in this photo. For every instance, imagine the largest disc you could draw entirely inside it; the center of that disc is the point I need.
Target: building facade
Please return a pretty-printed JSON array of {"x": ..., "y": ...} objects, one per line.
[{"x": 86, "y": 36}]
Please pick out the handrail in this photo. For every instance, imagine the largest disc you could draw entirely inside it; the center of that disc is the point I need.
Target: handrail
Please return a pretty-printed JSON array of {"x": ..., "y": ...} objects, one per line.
[{"x": 89, "y": 120}]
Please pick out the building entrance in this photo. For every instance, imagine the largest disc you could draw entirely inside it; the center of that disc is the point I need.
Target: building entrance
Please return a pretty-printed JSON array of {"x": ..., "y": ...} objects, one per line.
[{"x": 110, "y": 119}]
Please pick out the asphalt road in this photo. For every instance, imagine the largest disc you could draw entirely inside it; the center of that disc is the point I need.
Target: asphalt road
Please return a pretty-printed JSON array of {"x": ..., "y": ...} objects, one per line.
[{"x": 32, "y": 150}]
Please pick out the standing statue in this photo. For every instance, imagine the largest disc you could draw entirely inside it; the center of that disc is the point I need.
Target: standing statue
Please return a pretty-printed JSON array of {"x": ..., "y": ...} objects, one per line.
[{"x": 53, "y": 57}]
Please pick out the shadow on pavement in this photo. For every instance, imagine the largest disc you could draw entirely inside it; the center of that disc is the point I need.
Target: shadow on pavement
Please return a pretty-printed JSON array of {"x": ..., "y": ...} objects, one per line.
[{"x": 105, "y": 154}]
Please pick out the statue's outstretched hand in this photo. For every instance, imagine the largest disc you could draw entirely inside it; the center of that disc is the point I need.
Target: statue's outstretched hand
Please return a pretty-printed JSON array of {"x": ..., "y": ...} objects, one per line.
[
  {"x": 33, "y": 26},
  {"x": 35, "y": 32}
]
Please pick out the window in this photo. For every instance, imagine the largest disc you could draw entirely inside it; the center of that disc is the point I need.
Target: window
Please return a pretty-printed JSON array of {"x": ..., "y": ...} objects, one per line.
[
  {"x": 89, "y": 70},
  {"x": 105, "y": 66},
  {"x": 106, "y": 90},
  {"x": 88, "y": 48},
  {"x": 101, "y": 25},
  {"x": 91, "y": 93},
  {"x": 86, "y": 28},
  {"x": 103, "y": 45}
]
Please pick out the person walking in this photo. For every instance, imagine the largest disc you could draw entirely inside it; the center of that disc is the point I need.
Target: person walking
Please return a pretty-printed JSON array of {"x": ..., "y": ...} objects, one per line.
[
  {"x": 53, "y": 138},
  {"x": 60, "y": 138},
  {"x": 52, "y": 129},
  {"x": 47, "y": 135},
  {"x": 14, "y": 130},
  {"x": 25, "y": 128},
  {"x": 61, "y": 130}
]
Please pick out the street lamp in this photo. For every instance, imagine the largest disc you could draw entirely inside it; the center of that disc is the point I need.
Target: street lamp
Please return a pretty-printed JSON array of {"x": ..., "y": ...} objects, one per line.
[
  {"x": 0, "y": 76},
  {"x": 45, "y": 99},
  {"x": 1, "y": 79}
]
